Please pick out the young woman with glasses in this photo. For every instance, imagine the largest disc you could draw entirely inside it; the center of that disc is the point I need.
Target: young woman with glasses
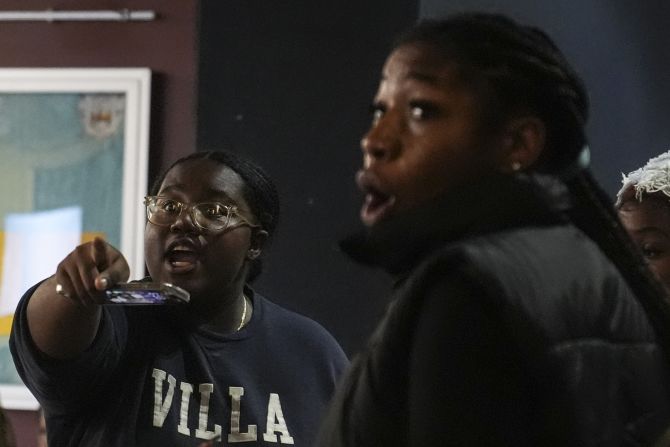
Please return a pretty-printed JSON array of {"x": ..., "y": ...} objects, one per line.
[{"x": 229, "y": 366}]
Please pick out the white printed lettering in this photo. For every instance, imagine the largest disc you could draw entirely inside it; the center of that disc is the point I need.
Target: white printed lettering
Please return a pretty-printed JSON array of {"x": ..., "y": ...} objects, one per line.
[
  {"x": 186, "y": 391},
  {"x": 162, "y": 406},
  {"x": 202, "y": 432},
  {"x": 276, "y": 422},
  {"x": 236, "y": 392},
  {"x": 276, "y": 427}
]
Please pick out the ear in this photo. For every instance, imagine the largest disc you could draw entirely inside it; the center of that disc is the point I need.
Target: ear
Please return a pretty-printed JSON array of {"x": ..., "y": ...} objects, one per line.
[
  {"x": 523, "y": 141},
  {"x": 258, "y": 238}
]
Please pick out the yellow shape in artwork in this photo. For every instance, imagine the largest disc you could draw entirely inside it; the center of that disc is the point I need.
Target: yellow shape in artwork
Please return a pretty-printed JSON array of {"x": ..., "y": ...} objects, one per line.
[
  {"x": 2, "y": 250},
  {"x": 5, "y": 324}
]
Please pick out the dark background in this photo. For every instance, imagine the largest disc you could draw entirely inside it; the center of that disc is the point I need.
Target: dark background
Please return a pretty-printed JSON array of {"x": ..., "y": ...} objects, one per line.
[{"x": 289, "y": 86}]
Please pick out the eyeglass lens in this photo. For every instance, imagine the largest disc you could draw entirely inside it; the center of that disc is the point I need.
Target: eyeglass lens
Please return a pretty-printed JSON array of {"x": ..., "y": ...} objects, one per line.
[{"x": 211, "y": 216}]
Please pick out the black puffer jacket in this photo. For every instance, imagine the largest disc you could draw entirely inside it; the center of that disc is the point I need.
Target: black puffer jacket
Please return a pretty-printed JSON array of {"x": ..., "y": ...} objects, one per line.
[{"x": 508, "y": 327}]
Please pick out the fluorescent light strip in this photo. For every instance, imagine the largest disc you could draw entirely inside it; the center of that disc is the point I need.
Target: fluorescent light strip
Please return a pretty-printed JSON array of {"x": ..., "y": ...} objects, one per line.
[{"x": 49, "y": 15}]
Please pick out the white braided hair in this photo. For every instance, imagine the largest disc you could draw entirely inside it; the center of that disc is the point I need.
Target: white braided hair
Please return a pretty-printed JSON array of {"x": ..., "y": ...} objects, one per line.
[{"x": 652, "y": 177}]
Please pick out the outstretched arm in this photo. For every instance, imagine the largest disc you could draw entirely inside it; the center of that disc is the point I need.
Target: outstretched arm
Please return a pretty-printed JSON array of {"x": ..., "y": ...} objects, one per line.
[{"x": 64, "y": 323}]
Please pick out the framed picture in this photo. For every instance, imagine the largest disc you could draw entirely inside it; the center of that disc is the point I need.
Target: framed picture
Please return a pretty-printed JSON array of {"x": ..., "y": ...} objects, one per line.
[{"x": 73, "y": 166}]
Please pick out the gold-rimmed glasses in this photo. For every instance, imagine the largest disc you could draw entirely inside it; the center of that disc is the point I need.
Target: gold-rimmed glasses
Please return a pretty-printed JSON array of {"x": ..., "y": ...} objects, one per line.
[{"x": 209, "y": 216}]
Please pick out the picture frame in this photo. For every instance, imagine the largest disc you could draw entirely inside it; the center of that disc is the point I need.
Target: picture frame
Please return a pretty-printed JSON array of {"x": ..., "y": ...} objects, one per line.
[{"x": 74, "y": 148}]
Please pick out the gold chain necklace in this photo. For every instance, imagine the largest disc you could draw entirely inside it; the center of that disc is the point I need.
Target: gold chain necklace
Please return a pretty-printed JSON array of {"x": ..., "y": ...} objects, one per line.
[{"x": 244, "y": 313}]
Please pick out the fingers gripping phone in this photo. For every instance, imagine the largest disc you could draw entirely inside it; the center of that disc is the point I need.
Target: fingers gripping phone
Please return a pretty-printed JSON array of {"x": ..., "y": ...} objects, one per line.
[{"x": 146, "y": 293}]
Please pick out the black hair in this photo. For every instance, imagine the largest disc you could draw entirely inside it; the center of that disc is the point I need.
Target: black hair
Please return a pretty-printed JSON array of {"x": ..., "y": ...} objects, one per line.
[
  {"x": 259, "y": 192},
  {"x": 523, "y": 71}
]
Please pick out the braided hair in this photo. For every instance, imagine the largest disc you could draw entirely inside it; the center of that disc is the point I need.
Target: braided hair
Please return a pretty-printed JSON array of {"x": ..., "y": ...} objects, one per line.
[
  {"x": 259, "y": 192},
  {"x": 524, "y": 72}
]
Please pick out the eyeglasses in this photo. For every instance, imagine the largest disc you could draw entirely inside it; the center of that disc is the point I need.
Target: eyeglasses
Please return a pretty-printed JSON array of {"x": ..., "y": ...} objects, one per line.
[{"x": 209, "y": 216}]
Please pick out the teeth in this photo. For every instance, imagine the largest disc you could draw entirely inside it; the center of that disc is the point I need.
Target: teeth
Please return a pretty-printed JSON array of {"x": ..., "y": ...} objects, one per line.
[{"x": 181, "y": 249}]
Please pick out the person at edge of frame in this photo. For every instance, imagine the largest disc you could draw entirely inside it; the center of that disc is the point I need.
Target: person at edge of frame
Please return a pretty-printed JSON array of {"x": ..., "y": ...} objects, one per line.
[
  {"x": 643, "y": 204},
  {"x": 229, "y": 366},
  {"x": 521, "y": 315}
]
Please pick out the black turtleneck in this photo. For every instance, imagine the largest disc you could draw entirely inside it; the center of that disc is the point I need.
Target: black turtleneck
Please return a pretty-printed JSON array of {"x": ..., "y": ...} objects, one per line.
[{"x": 494, "y": 204}]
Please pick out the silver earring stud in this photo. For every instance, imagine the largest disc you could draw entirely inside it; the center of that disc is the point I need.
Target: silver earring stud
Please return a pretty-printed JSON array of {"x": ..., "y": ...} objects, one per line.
[{"x": 516, "y": 166}]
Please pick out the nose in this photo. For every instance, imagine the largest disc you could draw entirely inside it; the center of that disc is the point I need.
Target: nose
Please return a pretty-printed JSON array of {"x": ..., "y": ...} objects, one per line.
[
  {"x": 381, "y": 143},
  {"x": 185, "y": 222}
]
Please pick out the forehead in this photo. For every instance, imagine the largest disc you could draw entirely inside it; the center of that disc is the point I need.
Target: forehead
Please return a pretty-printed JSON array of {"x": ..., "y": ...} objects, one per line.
[
  {"x": 651, "y": 212},
  {"x": 420, "y": 64},
  {"x": 203, "y": 180}
]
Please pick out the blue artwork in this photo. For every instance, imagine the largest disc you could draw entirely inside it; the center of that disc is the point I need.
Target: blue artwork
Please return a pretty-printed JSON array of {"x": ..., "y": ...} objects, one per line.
[{"x": 58, "y": 152}]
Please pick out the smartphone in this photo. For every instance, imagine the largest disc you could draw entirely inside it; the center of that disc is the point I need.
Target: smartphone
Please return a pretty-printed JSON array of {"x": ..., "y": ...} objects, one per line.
[{"x": 146, "y": 293}]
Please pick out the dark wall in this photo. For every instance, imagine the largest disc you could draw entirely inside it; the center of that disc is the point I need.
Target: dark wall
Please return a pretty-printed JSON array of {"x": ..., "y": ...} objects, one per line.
[
  {"x": 620, "y": 48},
  {"x": 167, "y": 45},
  {"x": 289, "y": 86}
]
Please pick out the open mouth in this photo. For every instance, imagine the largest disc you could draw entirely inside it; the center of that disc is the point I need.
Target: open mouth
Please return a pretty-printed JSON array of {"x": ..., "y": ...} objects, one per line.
[
  {"x": 182, "y": 257},
  {"x": 377, "y": 204}
]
